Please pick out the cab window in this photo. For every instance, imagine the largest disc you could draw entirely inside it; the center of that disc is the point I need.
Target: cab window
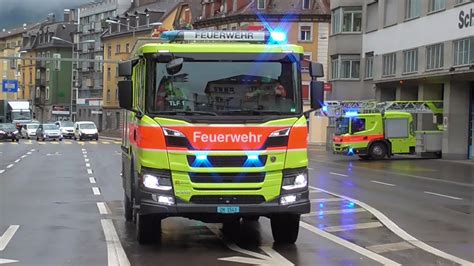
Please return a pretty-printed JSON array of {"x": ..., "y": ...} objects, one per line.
[{"x": 357, "y": 125}]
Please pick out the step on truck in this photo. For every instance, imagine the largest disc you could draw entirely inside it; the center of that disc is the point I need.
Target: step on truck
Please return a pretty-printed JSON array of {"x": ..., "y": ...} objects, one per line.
[{"x": 215, "y": 131}]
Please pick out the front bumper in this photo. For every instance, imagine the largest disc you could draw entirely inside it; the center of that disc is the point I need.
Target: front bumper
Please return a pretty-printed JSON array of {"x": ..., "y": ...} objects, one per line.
[
  {"x": 348, "y": 150},
  {"x": 192, "y": 210},
  {"x": 53, "y": 136},
  {"x": 89, "y": 136},
  {"x": 68, "y": 134}
]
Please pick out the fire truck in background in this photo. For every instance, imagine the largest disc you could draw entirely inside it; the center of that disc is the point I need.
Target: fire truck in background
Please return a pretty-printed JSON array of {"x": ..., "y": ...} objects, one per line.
[{"x": 215, "y": 131}]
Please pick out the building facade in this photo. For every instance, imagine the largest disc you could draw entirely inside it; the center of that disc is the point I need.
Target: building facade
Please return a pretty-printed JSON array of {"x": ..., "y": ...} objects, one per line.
[
  {"x": 305, "y": 22},
  {"x": 409, "y": 50},
  {"x": 88, "y": 84}
]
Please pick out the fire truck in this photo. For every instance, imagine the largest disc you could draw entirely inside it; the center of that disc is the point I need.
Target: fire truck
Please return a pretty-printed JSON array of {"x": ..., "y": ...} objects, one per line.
[
  {"x": 215, "y": 131},
  {"x": 374, "y": 130}
]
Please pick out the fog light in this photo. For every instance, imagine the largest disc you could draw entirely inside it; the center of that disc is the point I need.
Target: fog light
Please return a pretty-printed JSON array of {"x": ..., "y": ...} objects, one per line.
[
  {"x": 166, "y": 200},
  {"x": 154, "y": 182},
  {"x": 285, "y": 200}
]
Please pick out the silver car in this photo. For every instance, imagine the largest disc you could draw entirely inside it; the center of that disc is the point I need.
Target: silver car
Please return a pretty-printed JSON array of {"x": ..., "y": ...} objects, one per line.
[
  {"x": 48, "y": 131},
  {"x": 29, "y": 130}
]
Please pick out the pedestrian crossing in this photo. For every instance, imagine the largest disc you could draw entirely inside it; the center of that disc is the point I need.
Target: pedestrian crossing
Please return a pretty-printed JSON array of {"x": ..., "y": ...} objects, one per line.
[{"x": 64, "y": 142}]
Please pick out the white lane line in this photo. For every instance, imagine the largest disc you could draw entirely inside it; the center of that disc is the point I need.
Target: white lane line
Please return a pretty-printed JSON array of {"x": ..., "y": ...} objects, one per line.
[
  {"x": 325, "y": 200},
  {"x": 88, "y": 165},
  {"x": 96, "y": 191},
  {"x": 315, "y": 191},
  {"x": 85, "y": 155},
  {"x": 349, "y": 227},
  {"x": 23, "y": 156},
  {"x": 89, "y": 171},
  {"x": 17, "y": 160},
  {"x": 442, "y": 195},
  {"x": 400, "y": 232},
  {"x": 86, "y": 160},
  {"x": 32, "y": 149},
  {"x": 83, "y": 149},
  {"x": 349, "y": 245},
  {"x": 28, "y": 153},
  {"x": 103, "y": 209},
  {"x": 391, "y": 247},
  {"x": 328, "y": 212},
  {"x": 92, "y": 180},
  {"x": 332, "y": 173},
  {"x": 7, "y": 236},
  {"x": 383, "y": 183},
  {"x": 115, "y": 253},
  {"x": 2, "y": 171},
  {"x": 10, "y": 166}
]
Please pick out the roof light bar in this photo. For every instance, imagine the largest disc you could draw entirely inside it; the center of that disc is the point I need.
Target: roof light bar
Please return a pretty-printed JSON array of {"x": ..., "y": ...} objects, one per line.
[{"x": 223, "y": 36}]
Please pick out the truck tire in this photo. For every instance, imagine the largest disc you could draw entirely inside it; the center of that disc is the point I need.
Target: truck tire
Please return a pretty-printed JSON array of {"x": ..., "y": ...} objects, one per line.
[
  {"x": 378, "y": 151},
  {"x": 128, "y": 208},
  {"x": 148, "y": 228},
  {"x": 285, "y": 228}
]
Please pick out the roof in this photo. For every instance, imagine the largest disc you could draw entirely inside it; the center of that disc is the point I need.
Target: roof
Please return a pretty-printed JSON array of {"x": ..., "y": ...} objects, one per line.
[{"x": 11, "y": 32}]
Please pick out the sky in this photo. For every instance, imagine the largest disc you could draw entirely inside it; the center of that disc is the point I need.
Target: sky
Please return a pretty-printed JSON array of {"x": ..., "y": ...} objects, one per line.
[{"x": 13, "y": 13}]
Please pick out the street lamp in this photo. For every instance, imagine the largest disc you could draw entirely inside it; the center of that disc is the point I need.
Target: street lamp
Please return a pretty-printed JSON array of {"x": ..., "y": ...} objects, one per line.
[{"x": 72, "y": 68}]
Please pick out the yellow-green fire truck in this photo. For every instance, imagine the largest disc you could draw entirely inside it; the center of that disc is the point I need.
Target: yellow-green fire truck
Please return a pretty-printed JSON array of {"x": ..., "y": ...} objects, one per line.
[
  {"x": 215, "y": 131},
  {"x": 375, "y": 130}
]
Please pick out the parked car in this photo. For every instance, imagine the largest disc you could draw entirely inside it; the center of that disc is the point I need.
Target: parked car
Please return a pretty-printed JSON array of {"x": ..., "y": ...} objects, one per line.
[
  {"x": 29, "y": 130},
  {"x": 66, "y": 128},
  {"x": 85, "y": 130},
  {"x": 48, "y": 131},
  {"x": 9, "y": 131}
]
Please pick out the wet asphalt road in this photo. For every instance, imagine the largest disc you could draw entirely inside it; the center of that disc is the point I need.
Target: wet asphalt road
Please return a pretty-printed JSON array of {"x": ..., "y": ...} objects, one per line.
[{"x": 59, "y": 202}]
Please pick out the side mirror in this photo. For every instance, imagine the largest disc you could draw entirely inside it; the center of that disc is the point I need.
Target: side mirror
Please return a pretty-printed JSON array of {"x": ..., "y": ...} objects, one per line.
[
  {"x": 316, "y": 70},
  {"x": 125, "y": 69},
  {"x": 125, "y": 94},
  {"x": 317, "y": 94},
  {"x": 174, "y": 66}
]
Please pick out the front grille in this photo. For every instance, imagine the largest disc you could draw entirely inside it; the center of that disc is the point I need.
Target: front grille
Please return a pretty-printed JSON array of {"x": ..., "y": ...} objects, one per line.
[
  {"x": 228, "y": 161},
  {"x": 227, "y": 177},
  {"x": 241, "y": 199}
]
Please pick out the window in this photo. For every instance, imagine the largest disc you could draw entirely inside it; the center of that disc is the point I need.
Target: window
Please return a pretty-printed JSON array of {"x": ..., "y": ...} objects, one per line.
[
  {"x": 357, "y": 125},
  {"x": 436, "y": 5},
  {"x": 461, "y": 1},
  {"x": 434, "y": 56},
  {"x": 37, "y": 92},
  {"x": 347, "y": 19},
  {"x": 47, "y": 92},
  {"x": 47, "y": 74},
  {"x": 372, "y": 16},
  {"x": 108, "y": 95},
  {"x": 305, "y": 91},
  {"x": 389, "y": 64},
  {"x": 307, "y": 57},
  {"x": 305, "y": 32},
  {"x": 109, "y": 74},
  {"x": 305, "y": 4},
  {"x": 260, "y": 4},
  {"x": 117, "y": 48},
  {"x": 412, "y": 9},
  {"x": 109, "y": 51},
  {"x": 127, "y": 48},
  {"x": 345, "y": 67},
  {"x": 464, "y": 52},
  {"x": 369, "y": 65},
  {"x": 117, "y": 120},
  {"x": 410, "y": 61}
]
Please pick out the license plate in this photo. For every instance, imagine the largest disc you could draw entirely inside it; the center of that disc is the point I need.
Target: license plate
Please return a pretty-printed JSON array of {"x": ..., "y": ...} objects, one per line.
[{"x": 228, "y": 210}]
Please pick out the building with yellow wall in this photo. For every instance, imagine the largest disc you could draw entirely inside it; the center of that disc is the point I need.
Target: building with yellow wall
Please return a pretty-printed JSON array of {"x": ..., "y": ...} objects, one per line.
[{"x": 10, "y": 44}]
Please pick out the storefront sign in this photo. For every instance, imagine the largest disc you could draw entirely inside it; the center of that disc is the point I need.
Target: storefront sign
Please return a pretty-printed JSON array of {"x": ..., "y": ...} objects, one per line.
[
  {"x": 466, "y": 18},
  {"x": 60, "y": 110}
]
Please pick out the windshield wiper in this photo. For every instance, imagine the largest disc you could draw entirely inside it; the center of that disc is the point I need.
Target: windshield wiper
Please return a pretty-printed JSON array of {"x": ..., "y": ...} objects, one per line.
[
  {"x": 182, "y": 112},
  {"x": 253, "y": 112}
]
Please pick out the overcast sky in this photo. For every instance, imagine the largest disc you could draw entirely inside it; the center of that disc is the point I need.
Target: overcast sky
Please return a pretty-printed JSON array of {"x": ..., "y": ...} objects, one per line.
[{"x": 14, "y": 13}]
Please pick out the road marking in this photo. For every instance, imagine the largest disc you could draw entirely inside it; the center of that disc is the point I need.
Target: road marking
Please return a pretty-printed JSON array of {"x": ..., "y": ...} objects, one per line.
[
  {"x": 93, "y": 142},
  {"x": 85, "y": 155},
  {"x": 54, "y": 142},
  {"x": 115, "y": 253},
  {"x": 5, "y": 261},
  {"x": 10, "y": 166},
  {"x": 67, "y": 142},
  {"x": 103, "y": 209},
  {"x": 32, "y": 150},
  {"x": 105, "y": 142},
  {"x": 86, "y": 160},
  {"x": 441, "y": 195},
  {"x": 349, "y": 227},
  {"x": 88, "y": 165},
  {"x": 92, "y": 180},
  {"x": 332, "y": 173},
  {"x": 17, "y": 160},
  {"x": 96, "y": 191},
  {"x": 400, "y": 232},
  {"x": 23, "y": 156},
  {"x": 83, "y": 149},
  {"x": 84, "y": 152},
  {"x": 14, "y": 143},
  {"x": 28, "y": 153},
  {"x": 370, "y": 254},
  {"x": 325, "y": 200},
  {"x": 270, "y": 256},
  {"x": 383, "y": 183},
  {"x": 117, "y": 142},
  {"x": 89, "y": 171},
  {"x": 329, "y": 212},
  {"x": 391, "y": 247},
  {"x": 7, "y": 236},
  {"x": 2, "y": 171},
  {"x": 315, "y": 191}
]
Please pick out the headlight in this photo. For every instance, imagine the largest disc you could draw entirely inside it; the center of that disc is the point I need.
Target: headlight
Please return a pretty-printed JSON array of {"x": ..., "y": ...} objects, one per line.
[
  {"x": 2, "y": 132},
  {"x": 296, "y": 180},
  {"x": 154, "y": 182},
  {"x": 280, "y": 133},
  {"x": 172, "y": 133}
]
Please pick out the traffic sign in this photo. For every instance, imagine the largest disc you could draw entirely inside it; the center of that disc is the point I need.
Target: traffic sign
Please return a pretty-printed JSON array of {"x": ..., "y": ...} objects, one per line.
[{"x": 10, "y": 86}]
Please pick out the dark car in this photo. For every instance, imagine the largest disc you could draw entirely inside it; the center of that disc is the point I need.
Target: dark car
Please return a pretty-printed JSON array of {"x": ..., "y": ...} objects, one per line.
[
  {"x": 48, "y": 131},
  {"x": 9, "y": 132}
]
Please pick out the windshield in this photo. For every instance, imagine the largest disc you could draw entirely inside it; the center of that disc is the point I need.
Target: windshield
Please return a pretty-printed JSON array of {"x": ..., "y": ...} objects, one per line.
[
  {"x": 32, "y": 126},
  {"x": 87, "y": 126},
  {"x": 7, "y": 126},
  {"x": 50, "y": 127},
  {"x": 67, "y": 124},
  {"x": 227, "y": 88},
  {"x": 21, "y": 116},
  {"x": 342, "y": 126}
]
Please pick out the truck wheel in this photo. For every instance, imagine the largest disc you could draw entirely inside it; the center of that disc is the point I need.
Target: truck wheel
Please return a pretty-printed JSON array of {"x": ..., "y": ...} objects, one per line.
[
  {"x": 148, "y": 228},
  {"x": 378, "y": 151},
  {"x": 128, "y": 208},
  {"x": 285, "y": 228}
]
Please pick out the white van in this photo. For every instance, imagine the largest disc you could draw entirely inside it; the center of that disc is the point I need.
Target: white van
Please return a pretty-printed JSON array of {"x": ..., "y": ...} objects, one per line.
[{"x": 85, "y": 130}]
